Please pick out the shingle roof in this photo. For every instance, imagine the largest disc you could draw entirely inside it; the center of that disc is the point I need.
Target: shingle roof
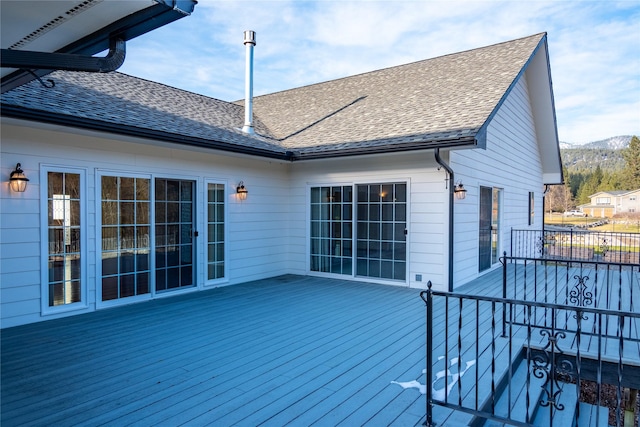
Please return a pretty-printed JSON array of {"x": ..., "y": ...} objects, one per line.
[
  {"x": 441, "y": 99},
  {"x": 137, "y": 104},
  {"x": 443, "y": 102}
]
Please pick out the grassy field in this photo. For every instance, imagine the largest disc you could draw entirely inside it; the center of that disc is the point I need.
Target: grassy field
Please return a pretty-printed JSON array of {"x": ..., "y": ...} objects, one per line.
[{"x": 569, "y": 221}]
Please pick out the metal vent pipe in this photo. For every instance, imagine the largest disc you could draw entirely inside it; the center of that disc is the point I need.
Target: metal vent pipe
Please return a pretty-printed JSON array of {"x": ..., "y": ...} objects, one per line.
[{"x": 249, "y": 42}]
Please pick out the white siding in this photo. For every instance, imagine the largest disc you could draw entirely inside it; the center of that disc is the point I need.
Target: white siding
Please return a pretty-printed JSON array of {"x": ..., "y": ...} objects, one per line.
[
  {"x": 257, "y": 228},
  {"x": 510, "y": 162},
  {"x": 267, "y": 234}
]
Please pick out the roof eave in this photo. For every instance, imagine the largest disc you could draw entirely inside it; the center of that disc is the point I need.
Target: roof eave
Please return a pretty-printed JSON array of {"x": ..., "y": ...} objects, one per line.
[
  {"x": 462, "y": 142},
  {"x": 41, "y": 116}
]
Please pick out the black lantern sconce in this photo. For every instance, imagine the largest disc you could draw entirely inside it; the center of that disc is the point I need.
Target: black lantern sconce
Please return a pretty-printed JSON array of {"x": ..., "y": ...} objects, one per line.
[
  {"x": 459, "y": 191},
  {"x": 241, "y": 191},
  {"x": 17, "y": 180}
]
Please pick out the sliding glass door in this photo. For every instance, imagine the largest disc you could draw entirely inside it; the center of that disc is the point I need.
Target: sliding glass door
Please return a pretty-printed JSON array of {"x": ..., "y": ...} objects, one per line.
[
  {"x": 380, "y": 230},
  {"x": 381, "y": 236}
]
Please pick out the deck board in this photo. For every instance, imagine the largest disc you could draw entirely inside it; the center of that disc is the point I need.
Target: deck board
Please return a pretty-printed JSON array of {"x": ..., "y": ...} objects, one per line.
[
  {"x": 291, "y": 350},
  {"x": 264, "y": 352}
]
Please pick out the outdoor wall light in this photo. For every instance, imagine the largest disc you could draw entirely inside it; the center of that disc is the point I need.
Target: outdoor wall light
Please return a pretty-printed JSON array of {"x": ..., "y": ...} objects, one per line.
[
  {"x": 241, "y": 191},
  {"x": 459, "y": 191},
  {"x": 17, "y": 180}
]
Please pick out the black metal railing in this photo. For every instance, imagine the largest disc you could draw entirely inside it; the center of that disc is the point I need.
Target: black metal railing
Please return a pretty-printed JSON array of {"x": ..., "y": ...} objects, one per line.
[
  {"x": 598, "y": 285},
  {"x": 576, "y": 245},
  {"x": 524, "y": 371}
]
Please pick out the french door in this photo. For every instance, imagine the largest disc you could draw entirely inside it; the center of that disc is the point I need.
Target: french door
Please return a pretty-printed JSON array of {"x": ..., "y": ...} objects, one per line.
[
  {"x": 130, "y": 209},
  {"x": 174, "y": 229}
]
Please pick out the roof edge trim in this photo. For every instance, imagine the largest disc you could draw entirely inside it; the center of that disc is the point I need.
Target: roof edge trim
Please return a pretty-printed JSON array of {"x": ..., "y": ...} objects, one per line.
[
  {"x": 465, "y": 142},
  {"x": 137, "y": 132}
]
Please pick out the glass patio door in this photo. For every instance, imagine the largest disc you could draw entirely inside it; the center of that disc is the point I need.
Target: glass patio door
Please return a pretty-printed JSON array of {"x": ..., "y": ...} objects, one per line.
[
  {"x": 489, "y": 222},
  {"x": 378, "y": 230},
  {"x": 174, "y": 227},
  {"x": 381, "y": 224}
]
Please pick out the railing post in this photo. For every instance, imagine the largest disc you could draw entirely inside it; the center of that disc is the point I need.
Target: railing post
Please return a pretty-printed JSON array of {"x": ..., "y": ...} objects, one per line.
[
  {"x": 511, "y": 246},
  {"x": 427, "y": 297},
  {"x": 571, "y": 244},
  {"x": 503, "y": 261}
]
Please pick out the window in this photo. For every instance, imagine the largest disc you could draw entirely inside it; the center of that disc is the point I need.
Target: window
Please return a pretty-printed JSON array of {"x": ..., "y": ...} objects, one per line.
[
  {"x": 603, "y": 200},
  {"x": 531, "y": 208},
  {"x": 490, "y": 212},
  {"x": 215, "y": 231},
  {"x": 63, "y": 238},
  {"x": 125, "y": 236}
]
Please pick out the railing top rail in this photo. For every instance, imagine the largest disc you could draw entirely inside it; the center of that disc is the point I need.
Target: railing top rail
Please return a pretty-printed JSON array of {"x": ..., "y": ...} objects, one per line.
[
  {"x": 576, "y": 229},
  {"x": 565, "y": 261},
  {"x": 510, "y": 301}
]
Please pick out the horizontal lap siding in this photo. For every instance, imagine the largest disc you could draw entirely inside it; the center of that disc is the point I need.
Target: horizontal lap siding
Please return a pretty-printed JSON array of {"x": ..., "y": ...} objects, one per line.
[
  {"x": 426, "y": 213},
  {"x": 511, "y": 162},
  {"x": 256, "y": 234}
]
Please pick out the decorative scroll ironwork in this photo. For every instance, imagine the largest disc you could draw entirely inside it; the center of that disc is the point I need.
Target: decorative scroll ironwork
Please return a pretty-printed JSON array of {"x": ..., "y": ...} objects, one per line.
[
  {"x": 544, "y": 367},
  {"x": 539, "y": 246},
  {"x": 604, "y": 246},
  {"x": 579, "y": 295}
]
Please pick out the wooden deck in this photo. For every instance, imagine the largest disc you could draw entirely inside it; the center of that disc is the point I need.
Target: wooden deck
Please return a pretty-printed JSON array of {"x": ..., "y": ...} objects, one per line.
[{"x": 288, "y": 350}]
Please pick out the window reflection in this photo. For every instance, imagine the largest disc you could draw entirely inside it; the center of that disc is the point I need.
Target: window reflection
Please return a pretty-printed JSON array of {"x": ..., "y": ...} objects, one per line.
[
  {"x": 215, "y": 231},
  {"x": 64, "y": 236},
  {"x": 125, "y": 236}
]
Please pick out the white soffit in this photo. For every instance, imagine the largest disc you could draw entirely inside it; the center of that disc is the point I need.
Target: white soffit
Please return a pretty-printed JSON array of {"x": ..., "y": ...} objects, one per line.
[{"x": 49, "y": 25}]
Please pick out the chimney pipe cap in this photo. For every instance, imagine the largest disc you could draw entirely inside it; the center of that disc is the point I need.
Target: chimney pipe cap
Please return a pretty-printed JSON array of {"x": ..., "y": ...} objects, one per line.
[{"x": 250, "y": 37}]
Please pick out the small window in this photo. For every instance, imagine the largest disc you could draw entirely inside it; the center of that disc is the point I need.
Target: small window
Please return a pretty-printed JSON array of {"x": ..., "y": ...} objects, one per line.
[
  {"x": 63, "y": 239},
  {"x": 215, "y": 231},
  {"x": 531, "y": 208}
]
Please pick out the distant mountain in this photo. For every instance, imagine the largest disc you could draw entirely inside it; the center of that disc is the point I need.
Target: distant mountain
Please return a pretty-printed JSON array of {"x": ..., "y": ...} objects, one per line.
[
  {"x": 613, "y": 143},
  {"x": 586, "y": 157}
]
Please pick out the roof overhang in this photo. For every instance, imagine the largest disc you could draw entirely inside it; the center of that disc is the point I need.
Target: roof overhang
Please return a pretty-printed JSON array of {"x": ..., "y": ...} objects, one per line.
[
  {"x": 538, "y": 76},
  {"x": 40, "y": 36},
  {"x": 537, "y": 73}
]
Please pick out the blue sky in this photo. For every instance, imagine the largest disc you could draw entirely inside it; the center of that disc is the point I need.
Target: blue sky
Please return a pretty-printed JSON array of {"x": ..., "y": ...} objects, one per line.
[{"x": 594, "y": 48}]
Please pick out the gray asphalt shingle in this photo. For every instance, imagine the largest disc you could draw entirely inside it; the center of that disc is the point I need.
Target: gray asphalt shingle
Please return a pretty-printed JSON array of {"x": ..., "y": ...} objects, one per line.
[{"x": 435, "y": 102}]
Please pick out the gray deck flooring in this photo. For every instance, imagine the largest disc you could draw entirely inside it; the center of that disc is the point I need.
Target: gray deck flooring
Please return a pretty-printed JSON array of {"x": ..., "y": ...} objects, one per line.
[
  {"x": 288, "y": 350},
  {"x": 291, "y": 350}
]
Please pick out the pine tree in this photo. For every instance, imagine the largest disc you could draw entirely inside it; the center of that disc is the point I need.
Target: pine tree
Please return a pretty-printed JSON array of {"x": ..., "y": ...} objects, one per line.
[
  {"x": 631, "y": 172},
  {"x": 590, "y": 186}
]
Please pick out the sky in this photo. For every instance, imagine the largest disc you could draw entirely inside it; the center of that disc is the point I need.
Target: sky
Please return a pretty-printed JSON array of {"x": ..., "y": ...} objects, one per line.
[{"x": 594, "y": 48}]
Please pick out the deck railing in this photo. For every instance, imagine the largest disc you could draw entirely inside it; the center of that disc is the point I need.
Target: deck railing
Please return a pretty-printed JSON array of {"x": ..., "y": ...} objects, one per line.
[
  {"x": 598, "y": 285},
  {"x": 577, "y": 245},
  {"x": 529, "y": 371}
]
